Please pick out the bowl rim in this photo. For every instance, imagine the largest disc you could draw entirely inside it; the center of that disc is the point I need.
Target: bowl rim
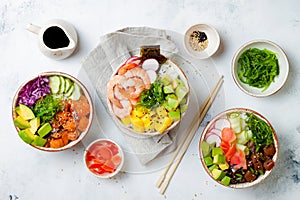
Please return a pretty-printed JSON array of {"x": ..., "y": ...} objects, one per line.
[
  {"x": 86, "y": 93},
  {"x": 238, "y": 52},
  {"x": 137, "y": 134},
  {"x": 261, "y": 177},
  {"x": 106, "y": 175},
  {"x": 186, "y": 41}
]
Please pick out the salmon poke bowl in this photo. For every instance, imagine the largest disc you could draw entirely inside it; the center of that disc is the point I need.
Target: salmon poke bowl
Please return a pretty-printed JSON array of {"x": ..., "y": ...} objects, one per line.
[
  {"x": 52, "y": 112},
  {"x": 148, "y": 94},
  {"x": 238, "y": 148}
]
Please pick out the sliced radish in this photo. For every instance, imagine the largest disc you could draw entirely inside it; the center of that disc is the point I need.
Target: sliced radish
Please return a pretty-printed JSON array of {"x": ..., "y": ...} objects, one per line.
[
  {"x": 152, "y": 75},
  {"x": 150, "y": 64},
  {"x": 213, "y": 137},
  {"x": 222, "y": 123},
  {"x": 217, "y": 132},
  {"x": 133, "y": 59}
]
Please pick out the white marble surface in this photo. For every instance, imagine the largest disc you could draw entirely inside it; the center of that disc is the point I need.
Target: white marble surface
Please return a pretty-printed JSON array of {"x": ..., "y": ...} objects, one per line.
[{"x": 29, "y": 174}]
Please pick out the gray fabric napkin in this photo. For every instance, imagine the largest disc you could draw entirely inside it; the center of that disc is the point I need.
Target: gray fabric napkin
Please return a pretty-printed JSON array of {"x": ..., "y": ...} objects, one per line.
[{"x": 113, "y": 49}]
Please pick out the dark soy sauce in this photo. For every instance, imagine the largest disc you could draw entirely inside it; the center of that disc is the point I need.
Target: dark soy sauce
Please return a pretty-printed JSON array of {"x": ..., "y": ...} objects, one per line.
[{"x": 54, "y": 38}]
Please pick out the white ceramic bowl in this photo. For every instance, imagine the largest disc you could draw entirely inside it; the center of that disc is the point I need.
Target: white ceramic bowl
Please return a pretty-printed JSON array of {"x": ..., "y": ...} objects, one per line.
[
  {"x": 278, "y": 81},
  {"x": 128, "y": 129},
  {"x": 213, "y": 133},
  {"x": 213, "y": 39},
  {"x": 83, "y": 108},
  {"x": 101, "y": 155}
]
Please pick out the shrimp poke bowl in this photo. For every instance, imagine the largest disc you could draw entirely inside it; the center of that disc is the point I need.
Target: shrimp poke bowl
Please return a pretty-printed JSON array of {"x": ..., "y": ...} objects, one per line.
[
  {"x": 148, "y": 94},
  {"x": 238, "y": 148},
  {"x": 52, "y": 112}
]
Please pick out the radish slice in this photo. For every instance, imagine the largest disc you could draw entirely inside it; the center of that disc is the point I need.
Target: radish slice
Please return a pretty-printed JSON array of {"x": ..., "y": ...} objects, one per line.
[
  {"x": 217, "y": 132},
  {"x": 133, "y": 59},
  {"x": 152, "y": 75},
  {"x": 150, "y": 64},
  {"x": 213, "y": 137},
  {"x": 222, "y": 123}
]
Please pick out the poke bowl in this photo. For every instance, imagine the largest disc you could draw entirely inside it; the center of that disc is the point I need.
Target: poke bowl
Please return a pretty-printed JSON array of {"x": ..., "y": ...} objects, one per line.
[
  {"x": 104, "y": 158},
  {"x": 238, "y": 148},
  {"x": 52, "y": 112},
  {"x": 148, "y": 94},
  {"x": 260, "y": 68}
]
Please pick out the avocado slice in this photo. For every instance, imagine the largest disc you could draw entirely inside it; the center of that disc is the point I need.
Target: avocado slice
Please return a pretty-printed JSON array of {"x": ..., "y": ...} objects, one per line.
[
  {"x": 208, "y": 161},
  {"x": 219, "y": 159},
  {"x": 218, "y": 174},
  {"x": 34, "y": 124},
  {"x": 68, "y": 85},
  {"x": 225, "y": 180},
  {"x": 168, "y": 89},
  {"x": 25, "y": 112},
  {"x": 25, "y": 137},
  {"x": 215, "y": 151},
  {"x": 21, "y": 123},
  {"x": 44, "y": 130},
  {"x": 166, "y": 80},
  {"x": 214, "y": 166},
  {"x": 76, "y": 93},
  {"x": 62, "y": 85},
  {"x": 174, "y": 115},
  {"x": 180, "y": 92},
  {"x": 172, "y": 101},
  {"x": 205, "y": 147},
  {"x": 39, "y": 141}
]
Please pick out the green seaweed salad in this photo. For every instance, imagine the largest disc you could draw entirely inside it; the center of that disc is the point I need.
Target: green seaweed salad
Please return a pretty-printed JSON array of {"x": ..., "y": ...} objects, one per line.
[{"x": 258, "y": 68}]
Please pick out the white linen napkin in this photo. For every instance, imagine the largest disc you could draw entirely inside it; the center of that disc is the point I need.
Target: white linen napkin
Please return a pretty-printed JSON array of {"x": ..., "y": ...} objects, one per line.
[{"x": 113, "y": 49}]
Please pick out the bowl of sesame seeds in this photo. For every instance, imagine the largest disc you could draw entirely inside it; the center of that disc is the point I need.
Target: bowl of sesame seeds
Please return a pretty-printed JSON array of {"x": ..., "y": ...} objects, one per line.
[{"x": 201, "y": 41}]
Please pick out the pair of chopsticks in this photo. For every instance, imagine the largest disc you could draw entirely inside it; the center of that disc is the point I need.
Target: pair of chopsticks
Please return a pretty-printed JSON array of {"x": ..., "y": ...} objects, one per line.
[{"x": 167, "y": 175}]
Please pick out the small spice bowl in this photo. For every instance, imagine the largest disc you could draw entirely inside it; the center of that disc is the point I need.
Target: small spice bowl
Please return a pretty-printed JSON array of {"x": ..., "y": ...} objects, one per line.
[
  {"x": 104, "y": 158},
  {"x": 201, "y": 41}
]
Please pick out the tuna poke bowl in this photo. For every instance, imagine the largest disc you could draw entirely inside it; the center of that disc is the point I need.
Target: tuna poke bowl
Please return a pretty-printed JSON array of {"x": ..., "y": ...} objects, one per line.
[
  {"x": 238, "y": 148},
  {"x": 148, "y": 94},
  {"x": 52, "y": 112}
]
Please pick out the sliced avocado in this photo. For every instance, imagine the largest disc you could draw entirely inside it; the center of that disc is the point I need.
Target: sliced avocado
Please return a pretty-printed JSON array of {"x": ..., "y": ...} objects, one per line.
[
  {"x": 39, "y": 141},
  {"x": 205, "y": 147},
  {"x": 44, "y": 129},
  {"x": 180, "y": 92},
  {"x": 218, "y": 174},
  {"x": 25, "y": 112},
  {"x": 183, "y": 107},
  {"x": 68, "y": 85},
  {"x": 166, "y": 80},
  {"x": 25, "y": 137},
  {"x": 214, "y": 166},
  {"x": 208, "y": 161},
  {"x": 76, "y": 93},
  {"x": 224, "y": 166},
  {"x": 215, "y": 151},
  {"x": 225, "y": 180},
  {"x": 54, "y": 84},
  {"x": 168, "y": 89},
  {"x": 34, "y": 124},
  {"x": 62, "y": 85},
  {"x": 219, "y": 159},
  {"x": 174, "y": 115},
  {"x": 172, "y": 101},
  {"x": 21, "y": 123},
  {"x": 167, "y": 106},
  {"x": 29, "y": 133},
  {"x": 17, "y": 109}
]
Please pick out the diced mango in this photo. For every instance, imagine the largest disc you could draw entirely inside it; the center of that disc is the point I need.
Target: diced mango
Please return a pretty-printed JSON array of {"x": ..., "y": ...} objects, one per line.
[
  {"x": 139, "y": 129},
  {"x": 139, "y": 111},
  {"x": 126, "y": 120},
  {"x": 163, "y": 124},
  {"x": 146, "y": 120},
  {"x": 136, "y": 121}
]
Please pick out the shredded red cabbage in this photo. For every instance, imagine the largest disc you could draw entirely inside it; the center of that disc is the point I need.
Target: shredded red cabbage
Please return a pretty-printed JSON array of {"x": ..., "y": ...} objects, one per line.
[{"x": 34, "y": 90}]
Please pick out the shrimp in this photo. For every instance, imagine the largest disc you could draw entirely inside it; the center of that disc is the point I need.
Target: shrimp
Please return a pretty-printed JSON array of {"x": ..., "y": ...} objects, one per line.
[
  {"x": 123, "y": 112},
  {"x": 122, "y": 70},
  {"x": 112, "y": 83},
  {"x": 139, "y": 73},
  {"x": 131, "y": 87}
]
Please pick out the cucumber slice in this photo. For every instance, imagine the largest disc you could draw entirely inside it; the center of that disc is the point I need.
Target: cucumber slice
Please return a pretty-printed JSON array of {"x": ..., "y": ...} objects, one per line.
[
  {"x": 70, "y": 91},
  {"x": 62, "y": 85},
  {"x": 76, "y": 93},
  {"x": 54, "y": 84},
  {"x": 68, "y": 84}
]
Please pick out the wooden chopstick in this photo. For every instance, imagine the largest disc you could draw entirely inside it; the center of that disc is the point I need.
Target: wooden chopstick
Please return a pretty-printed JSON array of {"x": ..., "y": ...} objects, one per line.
[{"x": 189, "y": 135}]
